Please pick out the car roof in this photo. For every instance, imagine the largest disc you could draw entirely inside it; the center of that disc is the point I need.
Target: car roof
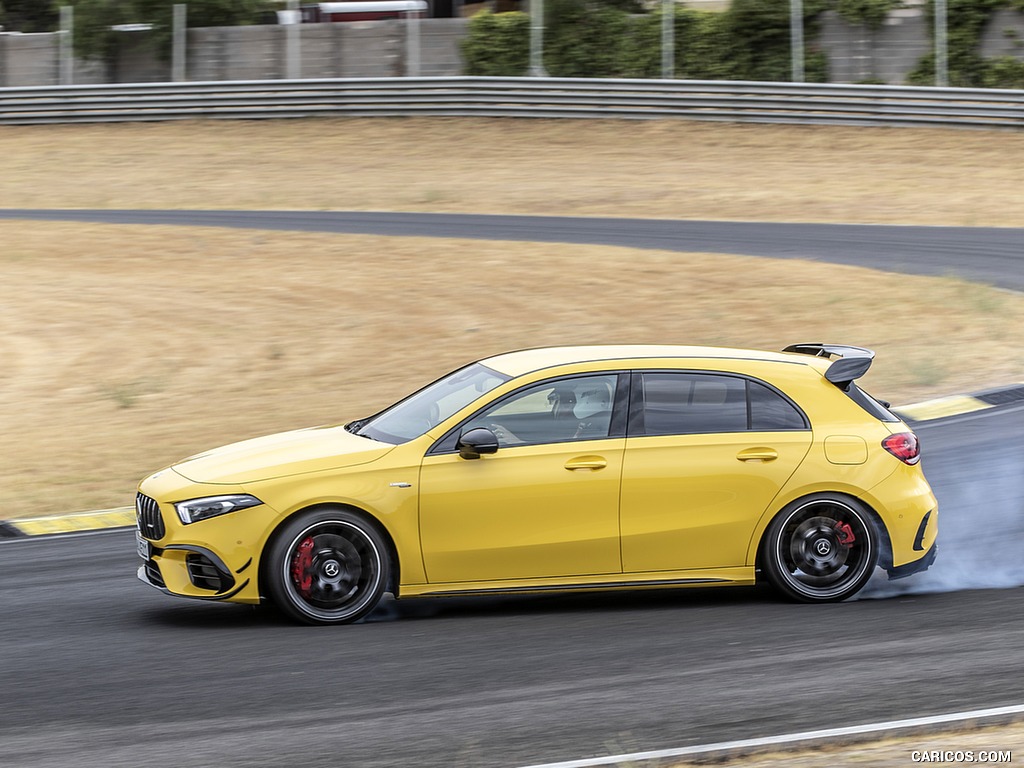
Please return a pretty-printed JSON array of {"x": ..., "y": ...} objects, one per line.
[{"x": 528, "y": 360}]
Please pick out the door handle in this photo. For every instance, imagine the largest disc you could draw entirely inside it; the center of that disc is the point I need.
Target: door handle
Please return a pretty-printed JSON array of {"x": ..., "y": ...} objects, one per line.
[
  {"x": 758, "y": 454},
  {"x": 586, "y": 462}
]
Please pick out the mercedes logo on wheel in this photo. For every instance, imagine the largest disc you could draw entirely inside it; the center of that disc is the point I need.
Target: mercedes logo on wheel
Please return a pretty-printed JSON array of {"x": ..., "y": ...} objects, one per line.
[
  {"x": 823, "y": 547},
  {"x": 331, "y": 569}
]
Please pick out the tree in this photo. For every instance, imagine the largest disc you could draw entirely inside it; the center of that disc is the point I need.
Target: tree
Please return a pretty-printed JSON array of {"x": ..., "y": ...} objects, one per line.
[
  {"x": 93, "y": 19},
  {"x": 29, "y": 15},
  {"x": 93, "y": 36}
]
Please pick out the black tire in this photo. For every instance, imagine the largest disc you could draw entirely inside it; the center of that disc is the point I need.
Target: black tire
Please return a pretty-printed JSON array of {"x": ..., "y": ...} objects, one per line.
[
  {"x": 821, "y": 549},
  {"x": 327, "y": 566}
]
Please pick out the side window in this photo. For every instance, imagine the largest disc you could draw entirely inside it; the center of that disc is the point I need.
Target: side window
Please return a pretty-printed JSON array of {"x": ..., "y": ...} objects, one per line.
[
  {"x": 771, "y": 412},
  {"x": 552, "y": 412},
  {"x": 688, "y": 403}
]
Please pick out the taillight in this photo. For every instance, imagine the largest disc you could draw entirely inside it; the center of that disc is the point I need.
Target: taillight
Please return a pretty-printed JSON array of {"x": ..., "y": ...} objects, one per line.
[{"x": 904, "y": 446}]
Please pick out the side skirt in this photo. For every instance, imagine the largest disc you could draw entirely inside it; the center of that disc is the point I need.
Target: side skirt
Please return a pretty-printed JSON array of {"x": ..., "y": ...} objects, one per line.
[{"x": 717, "y": 577}]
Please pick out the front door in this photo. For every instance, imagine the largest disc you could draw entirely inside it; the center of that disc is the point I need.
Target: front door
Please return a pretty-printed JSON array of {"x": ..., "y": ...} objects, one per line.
[{"x": 545, "y": 505}]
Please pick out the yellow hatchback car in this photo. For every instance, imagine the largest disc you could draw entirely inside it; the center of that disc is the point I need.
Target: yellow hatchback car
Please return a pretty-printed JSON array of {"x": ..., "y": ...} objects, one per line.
[{"x": 574, "y": 468}]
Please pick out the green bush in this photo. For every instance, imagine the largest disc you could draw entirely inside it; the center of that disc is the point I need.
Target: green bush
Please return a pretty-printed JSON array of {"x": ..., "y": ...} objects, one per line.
[
  {"x": 585, "y": 39},
  {"x": 966, "y": 20},
  {"x": 702, "y": 46},
  {"x": 760, "y": 39},
  {"x": 1004, "y": 72},
  {"x": 871, "y": 13},
  {"x": 497, "y": 44}
]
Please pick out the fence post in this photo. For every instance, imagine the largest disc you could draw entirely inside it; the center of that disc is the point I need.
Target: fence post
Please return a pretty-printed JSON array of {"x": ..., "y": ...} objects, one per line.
[
  {"x": 412, "y": 33},
  {"x": 537, "y": 39},
  {"x": 66, "y": 49},
  {"x": 293, "y": 42},
  {"x": 668, "y": 39},
  {"x": 941, "y": 45},
  {"x": 178, "y": 44},
  {"x": 796, "y": 36}
]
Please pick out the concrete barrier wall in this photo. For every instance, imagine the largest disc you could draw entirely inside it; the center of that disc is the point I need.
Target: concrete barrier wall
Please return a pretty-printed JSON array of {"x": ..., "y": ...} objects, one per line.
[
  {"x": 379, "y": 49},
  {"x": 857, "y": 54},
  {"x": 1004, "y": 35},
  {"x": 28, "y": 60},
  {"x": 34, "y": 59},
  {"x": 356, "y": 49}
]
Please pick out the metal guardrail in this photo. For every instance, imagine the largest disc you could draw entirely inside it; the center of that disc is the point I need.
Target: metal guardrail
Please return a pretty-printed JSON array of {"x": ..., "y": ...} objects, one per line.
[{"x": 719, "y": 100}]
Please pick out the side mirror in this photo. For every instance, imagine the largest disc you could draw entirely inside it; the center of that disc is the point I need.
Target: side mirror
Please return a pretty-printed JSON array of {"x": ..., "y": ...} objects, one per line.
[{"x": 477, "y": 442}]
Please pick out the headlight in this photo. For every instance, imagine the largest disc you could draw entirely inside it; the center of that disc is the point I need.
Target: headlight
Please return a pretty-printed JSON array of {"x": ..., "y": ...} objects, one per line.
[{"x": 194, "y": 510}]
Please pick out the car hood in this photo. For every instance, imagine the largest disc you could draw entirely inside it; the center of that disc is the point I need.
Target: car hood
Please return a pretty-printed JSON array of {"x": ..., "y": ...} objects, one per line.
[{"x": 287, "y": 453}]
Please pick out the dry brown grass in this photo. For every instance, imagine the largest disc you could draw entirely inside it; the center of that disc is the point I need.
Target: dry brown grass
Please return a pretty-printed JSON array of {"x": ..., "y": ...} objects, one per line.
[
  {"x": 126, "y": 348},
  {"x": 665, "y": 168},
  {"x": 890, "y": 753},
  {"x": 121, "y": 352}
]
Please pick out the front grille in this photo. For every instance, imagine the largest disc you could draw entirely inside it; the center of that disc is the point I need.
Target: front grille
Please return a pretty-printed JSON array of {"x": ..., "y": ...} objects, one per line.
[
  {"x": 147, "y": 512},
  {"x": 205, "y": 575}
]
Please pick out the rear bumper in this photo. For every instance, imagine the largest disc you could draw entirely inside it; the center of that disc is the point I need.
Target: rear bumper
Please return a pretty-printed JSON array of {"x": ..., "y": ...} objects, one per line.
[{"x": 915, "y": 566}]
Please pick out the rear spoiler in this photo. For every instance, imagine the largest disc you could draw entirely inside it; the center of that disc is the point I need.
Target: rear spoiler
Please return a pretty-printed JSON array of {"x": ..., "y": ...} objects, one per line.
[{"x": 853, "y": 362}]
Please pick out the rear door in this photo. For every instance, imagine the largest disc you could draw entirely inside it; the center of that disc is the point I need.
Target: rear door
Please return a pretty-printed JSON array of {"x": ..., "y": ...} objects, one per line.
[{"x": 705, "y": 455}]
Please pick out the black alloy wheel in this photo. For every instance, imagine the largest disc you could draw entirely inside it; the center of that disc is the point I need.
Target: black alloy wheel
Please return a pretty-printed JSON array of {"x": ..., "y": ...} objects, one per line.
[
  {"x": 328, "y": 566},
  {"x": 821, "y": 549}
]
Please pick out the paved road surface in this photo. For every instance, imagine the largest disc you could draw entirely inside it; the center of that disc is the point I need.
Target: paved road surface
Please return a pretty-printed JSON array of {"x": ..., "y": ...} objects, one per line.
[
  {"x": 97, "y": 669},
  {"x": 992, "y": 255}
]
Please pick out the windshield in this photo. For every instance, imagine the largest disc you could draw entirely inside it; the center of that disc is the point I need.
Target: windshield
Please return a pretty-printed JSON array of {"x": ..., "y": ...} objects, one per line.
[{"x": 418, "y": 413}]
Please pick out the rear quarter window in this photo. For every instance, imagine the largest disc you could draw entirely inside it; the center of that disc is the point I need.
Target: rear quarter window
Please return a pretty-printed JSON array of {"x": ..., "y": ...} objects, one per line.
[{"x": 771, "y": 412}]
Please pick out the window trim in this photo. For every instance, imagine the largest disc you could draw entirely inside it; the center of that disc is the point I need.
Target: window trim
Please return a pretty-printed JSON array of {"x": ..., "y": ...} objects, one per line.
[
  {"x": 617, "y": 427},
  {"x": 871, "y": 404},
  {"x": 637, "y": 428}
]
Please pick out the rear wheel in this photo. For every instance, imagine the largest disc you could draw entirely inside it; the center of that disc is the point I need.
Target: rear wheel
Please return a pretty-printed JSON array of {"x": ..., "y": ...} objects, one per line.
[
  {"x": 328, "y": 566},
  {"x": 821, "y": 549}
]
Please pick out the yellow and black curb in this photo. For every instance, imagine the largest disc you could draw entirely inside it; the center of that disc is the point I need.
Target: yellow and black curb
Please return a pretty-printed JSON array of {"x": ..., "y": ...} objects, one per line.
[
  {"x": 75, "y": 522},
  {"x": 957, "y": 405},
  {"x": 124, "y": 517}
]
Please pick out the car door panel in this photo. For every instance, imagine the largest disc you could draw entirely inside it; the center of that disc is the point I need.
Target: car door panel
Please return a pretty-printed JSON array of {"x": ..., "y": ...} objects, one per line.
[
  {"x": 692, "y": 501},
  {"x": 524, "y": 512}
]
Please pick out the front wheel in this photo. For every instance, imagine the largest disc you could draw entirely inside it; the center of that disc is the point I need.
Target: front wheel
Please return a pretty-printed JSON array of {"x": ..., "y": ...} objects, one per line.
[
  {"x": 821, "y": 549},
  {"x": 328, "y": 566}
]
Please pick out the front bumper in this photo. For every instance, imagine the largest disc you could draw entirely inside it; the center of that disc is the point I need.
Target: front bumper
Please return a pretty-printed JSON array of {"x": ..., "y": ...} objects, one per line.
[
  {"x": 208, "y": 577},
  {"x": 214, "y": 559}
]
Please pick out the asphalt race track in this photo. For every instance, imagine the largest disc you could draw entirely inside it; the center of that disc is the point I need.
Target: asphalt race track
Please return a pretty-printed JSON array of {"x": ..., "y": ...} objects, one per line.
[
  {"x": 986, "y": 254},
  {"x": 97, "y": 669}
]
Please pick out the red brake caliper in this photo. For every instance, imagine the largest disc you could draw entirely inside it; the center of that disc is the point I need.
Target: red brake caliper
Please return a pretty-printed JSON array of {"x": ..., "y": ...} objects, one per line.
[
  {"x": 301, "y": 566},
  {"x": 845, "y": 533}
]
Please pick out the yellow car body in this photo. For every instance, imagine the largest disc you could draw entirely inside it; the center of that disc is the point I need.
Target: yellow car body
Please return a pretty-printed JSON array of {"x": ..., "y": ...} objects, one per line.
[{"x": 577, "y": 468}]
